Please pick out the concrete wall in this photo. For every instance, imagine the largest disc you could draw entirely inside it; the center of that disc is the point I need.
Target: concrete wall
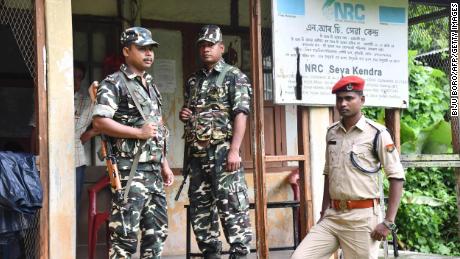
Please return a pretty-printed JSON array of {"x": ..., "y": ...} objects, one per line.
[
  {"x": 99, "y": 7},
  {"x": 170, "y": 50},
  {"x": 196, "y": 11}
]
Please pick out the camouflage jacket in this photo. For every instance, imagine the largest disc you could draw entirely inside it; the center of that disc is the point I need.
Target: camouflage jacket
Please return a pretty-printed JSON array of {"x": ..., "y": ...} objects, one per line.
[
  {"x": 114, "y": 101},
  {"x": 214, "y": 106}
]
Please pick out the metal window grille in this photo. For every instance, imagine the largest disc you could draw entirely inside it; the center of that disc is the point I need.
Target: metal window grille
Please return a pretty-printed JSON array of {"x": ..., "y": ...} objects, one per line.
[
  {"x": 429, "y": 35},
  {"x": 18, "y": 15}
]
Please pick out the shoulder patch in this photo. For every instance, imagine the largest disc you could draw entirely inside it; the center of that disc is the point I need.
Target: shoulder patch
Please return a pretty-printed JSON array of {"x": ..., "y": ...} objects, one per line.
[{"x": 390, "y": 148}]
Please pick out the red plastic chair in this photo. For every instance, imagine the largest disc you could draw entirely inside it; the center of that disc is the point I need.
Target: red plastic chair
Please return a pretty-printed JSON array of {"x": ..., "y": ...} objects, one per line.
[
  {"x": 96, "y": 219},
  {"x": 294, "y": 182}
]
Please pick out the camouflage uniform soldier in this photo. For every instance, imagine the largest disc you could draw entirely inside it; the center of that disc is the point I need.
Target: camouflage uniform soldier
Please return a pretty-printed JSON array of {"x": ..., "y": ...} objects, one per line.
[
  {"x": 217, "y": 103},
  {"x": 136, "y": 135}
]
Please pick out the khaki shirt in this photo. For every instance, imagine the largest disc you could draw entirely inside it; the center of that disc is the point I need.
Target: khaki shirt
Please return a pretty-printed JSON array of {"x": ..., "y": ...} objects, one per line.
[{"x": 346, "y": 181}]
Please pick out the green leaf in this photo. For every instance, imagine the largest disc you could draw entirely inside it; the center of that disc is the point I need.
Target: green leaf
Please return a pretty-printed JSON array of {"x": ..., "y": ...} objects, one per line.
[
  {"x": 409, "y": 147},
  {"x": 407, "y": 133},
  {"x": 425, "y": 200},
  {"x": 444, "y": 250},
  {"x": 439, "y": 139}
]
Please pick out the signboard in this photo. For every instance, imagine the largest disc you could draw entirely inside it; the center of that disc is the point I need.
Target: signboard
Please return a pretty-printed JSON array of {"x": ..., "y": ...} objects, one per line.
[{"x": 316, "y": 42}]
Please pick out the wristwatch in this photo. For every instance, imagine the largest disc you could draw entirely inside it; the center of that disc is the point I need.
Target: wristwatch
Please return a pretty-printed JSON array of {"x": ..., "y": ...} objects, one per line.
[{"x": 390, "y": 225}]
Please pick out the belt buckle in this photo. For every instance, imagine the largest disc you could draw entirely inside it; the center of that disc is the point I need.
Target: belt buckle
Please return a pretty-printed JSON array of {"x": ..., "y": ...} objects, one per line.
[{"x": 343, "y": 205}]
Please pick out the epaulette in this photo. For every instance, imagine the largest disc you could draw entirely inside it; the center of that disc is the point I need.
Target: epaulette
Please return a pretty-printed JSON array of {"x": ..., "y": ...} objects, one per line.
[
  {"x": 194, "y": 74},
  {"x": 335, "y": 124},
  {"x": 235, "y": 70},
  {"x": 112, "y": 78},
  {"x": 375, "y": 125}
]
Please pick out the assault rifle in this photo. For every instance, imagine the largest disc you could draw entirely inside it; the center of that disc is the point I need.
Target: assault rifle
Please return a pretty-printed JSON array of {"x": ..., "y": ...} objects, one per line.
[
  {"x": 184, "y": 171},
  {"x": 106, "y": 150},
  {"x": 111, "y": 163}
]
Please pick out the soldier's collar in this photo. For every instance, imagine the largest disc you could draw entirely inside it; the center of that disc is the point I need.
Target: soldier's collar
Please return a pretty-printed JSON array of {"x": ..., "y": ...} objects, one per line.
[
  {"x": 217, "y": 67},
  {"x": 131, "y": 75},
  {"x": 361, "y": 124}
]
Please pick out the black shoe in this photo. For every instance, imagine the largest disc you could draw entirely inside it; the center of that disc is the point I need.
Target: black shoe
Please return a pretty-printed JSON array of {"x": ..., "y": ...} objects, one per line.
[
  {"x": 212, "y": 256},
  {"x": 237, "y": 256}
]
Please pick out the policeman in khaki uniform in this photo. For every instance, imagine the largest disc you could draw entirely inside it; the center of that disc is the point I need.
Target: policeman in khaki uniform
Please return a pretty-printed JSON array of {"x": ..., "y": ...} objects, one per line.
[
  {"x": 217, "y": 103},
  {"x": 356, "y": 149},
  {"x": 128, "y": 110}
]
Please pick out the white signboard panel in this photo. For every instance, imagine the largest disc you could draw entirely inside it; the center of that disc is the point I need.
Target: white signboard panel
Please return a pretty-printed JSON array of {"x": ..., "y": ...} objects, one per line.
[{"x": 316, "y": 42}]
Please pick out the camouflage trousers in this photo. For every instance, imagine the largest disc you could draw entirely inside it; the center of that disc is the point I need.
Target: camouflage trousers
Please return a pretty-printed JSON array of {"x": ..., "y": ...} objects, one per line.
[
  {"x": 216, "y": 193},
  {"x": 145, "y": 210}
]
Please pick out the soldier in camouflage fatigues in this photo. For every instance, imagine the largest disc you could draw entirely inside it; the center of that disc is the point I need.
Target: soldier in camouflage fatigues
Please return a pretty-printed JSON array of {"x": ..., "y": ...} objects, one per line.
[
  {"x": 117, "y": 116},
  {"x": 217, "y": 102}
]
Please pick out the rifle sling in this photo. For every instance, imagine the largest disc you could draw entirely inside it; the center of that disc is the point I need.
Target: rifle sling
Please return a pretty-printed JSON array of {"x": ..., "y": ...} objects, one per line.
[
  {"x": 131, "y": 175},
  {"x": 130, "y": 85},
  {"x": 219, "y": 81},
  {"x": 222, "y": 74}
]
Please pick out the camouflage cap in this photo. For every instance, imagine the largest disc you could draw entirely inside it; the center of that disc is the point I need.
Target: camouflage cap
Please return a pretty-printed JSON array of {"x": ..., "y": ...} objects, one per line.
[
  {"x": 210, "y": 33},
  {"x": 137, "y": 35}
]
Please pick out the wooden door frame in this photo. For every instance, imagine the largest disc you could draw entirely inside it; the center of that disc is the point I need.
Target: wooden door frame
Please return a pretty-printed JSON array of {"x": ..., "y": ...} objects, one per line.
[{"x": 41, "y": 112}]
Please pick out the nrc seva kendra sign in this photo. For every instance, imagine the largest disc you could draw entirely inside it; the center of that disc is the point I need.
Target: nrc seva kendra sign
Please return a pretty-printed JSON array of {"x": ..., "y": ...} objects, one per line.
[{"x": 316, "y": 42}]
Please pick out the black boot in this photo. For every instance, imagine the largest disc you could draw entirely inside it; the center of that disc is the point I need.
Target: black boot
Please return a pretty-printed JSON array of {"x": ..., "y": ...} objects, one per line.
[
  {"x": 212, "y": 256},
  {"x": 237, "y": 256}
]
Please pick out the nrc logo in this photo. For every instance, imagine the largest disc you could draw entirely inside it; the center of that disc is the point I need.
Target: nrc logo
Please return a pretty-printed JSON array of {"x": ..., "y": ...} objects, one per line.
[{"x": 349, "y": 12}]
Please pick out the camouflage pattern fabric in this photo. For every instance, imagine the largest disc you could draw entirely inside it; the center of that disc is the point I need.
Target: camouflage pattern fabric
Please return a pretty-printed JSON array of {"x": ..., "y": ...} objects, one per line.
[
  {"x": 146, "y": 210},
  {"x": 216, "y": 193},
  {"x": 214, "y": 106},
  {"x": 114, "y": 101},
  {"x": 210, "y": 33},
  {"x": 137, "y": 35}
]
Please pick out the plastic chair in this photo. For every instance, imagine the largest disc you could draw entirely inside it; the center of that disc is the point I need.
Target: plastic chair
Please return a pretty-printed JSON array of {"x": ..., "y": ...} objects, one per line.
[{"x": 96, "y": 219}]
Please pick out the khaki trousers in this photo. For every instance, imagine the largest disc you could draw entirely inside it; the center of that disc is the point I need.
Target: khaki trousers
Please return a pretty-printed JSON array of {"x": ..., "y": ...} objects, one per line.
[{"x": 349, "y": 230}]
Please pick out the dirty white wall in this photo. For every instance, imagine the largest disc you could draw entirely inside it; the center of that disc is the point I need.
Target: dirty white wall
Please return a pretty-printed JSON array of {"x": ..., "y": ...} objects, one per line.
[
  {"x": 319, "y": 121},
  {"x": 170, "y": 50},
  {"x": 99, "y": 7},
  {"x": 196, "y": 11}
]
